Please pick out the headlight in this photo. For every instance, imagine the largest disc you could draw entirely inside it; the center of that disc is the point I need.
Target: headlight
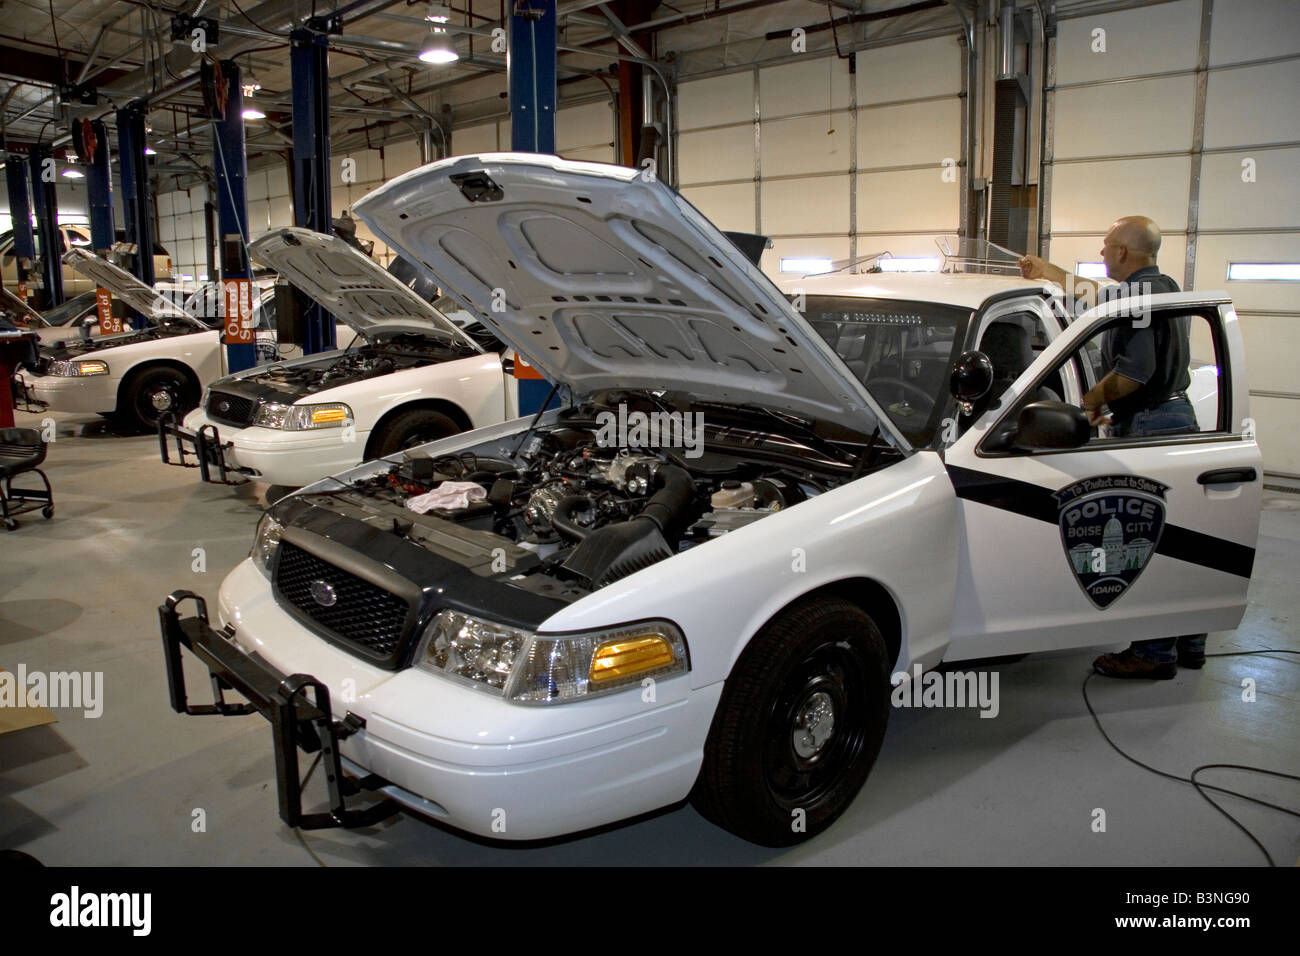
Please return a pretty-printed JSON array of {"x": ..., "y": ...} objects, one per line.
[
  {"x": 78, "y": 367},
  {"x": 537, "y": 669},
  {"x": 265, "y": 542},
  {"x": 297, "y": 418}
]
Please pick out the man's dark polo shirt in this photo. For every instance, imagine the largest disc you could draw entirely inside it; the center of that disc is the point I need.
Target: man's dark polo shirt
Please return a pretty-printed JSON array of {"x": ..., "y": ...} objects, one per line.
[{"x": 1155, "y": 354}]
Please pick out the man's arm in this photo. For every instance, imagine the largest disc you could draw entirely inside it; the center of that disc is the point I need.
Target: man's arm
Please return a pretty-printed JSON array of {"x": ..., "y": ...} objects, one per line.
[
  {"x": 1112, "y": 386},
  {"x": 1036, "y": 267}
]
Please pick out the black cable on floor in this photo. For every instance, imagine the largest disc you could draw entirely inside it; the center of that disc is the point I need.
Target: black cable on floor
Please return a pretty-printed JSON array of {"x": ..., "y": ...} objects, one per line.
[
  {"x": 296, "y": 831},
  {"x": 1202, "y": 787}
]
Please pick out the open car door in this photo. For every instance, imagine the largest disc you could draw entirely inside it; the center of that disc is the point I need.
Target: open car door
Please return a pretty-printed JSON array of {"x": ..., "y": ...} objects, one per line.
[{"x": 1069, "y": 537}]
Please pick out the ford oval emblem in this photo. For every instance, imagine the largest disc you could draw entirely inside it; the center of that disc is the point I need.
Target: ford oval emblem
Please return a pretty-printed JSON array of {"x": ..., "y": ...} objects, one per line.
[
  {"x": 224, "y": 406},
  {"x": 323, "y": 594}
]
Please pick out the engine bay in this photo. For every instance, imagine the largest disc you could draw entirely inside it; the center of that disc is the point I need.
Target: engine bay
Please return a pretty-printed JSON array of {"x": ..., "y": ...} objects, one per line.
[
  {"x": 560, "y": 512},
  {"x": 380, "y": 356}
]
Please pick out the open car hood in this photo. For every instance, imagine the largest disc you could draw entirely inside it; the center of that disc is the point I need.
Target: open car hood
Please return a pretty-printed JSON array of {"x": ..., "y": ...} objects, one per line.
[
  {"x": 352, "y": 287},
  {"x": 151, "y": 304},
  {"x": 602, "y": 278}
]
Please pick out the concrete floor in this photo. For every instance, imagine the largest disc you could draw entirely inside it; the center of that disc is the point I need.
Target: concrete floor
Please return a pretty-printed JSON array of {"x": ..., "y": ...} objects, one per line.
[{"x": 79, "y": 592}]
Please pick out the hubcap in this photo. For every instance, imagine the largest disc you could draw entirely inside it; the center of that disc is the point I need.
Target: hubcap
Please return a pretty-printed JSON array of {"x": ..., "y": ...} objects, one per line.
[
  {"x": 162, "y": 400},
  {"x": 814, "y": 725}
]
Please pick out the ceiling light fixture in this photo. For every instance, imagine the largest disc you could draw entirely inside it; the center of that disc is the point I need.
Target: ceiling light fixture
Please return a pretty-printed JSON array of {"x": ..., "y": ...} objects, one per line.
[
  {"x": 74, "y": 173},
  {"x": 253, "y": 114},
  {"x": 438, "y": 46}
]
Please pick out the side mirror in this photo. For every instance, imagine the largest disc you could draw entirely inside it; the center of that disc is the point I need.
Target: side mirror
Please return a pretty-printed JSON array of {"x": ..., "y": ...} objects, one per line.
[
  {"x": 971, "y": 379},
  {"x": 1045, "y": 426}
]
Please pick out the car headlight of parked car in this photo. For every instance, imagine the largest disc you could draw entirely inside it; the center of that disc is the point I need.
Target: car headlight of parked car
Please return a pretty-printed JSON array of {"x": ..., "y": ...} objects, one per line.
[
  {"x": 538, "y": 668},
  {"x": 73, "y": 368},
  {"x": 265, "y": 542},
  {"x": 297, "y": 418}
]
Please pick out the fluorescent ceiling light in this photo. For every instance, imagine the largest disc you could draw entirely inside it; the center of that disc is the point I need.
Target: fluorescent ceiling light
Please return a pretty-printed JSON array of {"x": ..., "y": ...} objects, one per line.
[
  {"x": 74, "y": 173},
  {"x": 1264, "y": 271},
  {"x": 253, "y": 114},
  {"x": 1090, "y": 270},
  {"x": 805, "y": 266},
  {"x": 908, "y": 264}
]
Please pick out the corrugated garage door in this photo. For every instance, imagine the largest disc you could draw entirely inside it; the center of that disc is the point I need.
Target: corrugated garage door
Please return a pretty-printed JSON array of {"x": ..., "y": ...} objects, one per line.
[
  {"x": 828, "y": 163},
  {"x": 1156, "y": 115}
]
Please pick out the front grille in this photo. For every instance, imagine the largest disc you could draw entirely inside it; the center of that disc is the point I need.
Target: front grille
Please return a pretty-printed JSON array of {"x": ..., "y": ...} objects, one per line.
[
  {"x": 365, "y": 618},
  {"x": 229, "y": 409}
]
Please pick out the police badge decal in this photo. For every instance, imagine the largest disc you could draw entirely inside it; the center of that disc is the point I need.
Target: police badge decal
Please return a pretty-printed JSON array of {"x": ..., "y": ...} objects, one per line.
[{"x": 1110, "y": 527}]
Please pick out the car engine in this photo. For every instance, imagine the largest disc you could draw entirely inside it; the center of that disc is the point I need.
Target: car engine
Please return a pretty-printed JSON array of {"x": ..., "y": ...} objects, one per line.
[
  {"x": 563, "y": 514},
  {"x": 385, "y": 354}
]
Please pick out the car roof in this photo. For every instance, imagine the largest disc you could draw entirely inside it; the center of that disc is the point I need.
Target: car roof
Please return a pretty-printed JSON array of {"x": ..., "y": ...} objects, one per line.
[{"x": 948, "y": 288}]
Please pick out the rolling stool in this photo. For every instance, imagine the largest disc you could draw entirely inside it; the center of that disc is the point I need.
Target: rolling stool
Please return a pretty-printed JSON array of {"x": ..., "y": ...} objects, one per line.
[{"x": 21, "y": 450}]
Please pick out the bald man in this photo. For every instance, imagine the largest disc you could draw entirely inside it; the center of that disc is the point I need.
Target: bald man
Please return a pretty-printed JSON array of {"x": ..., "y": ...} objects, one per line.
[{"x": 1145, "y": 389}]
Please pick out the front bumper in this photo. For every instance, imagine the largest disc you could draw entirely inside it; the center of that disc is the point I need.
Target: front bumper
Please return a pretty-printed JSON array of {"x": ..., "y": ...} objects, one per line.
[
  {"x": 235, "y": 455},
  {"x": 86, "y": 395},
  {"x": 470, "y": 759}
]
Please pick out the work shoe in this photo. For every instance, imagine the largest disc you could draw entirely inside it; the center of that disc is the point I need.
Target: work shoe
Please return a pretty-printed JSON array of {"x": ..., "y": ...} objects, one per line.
[{"x": 1128, "y": 665}]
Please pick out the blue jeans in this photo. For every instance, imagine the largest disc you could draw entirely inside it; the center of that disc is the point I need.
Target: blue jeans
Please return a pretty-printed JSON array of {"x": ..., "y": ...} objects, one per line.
[{"x": 1174, "y": 417}]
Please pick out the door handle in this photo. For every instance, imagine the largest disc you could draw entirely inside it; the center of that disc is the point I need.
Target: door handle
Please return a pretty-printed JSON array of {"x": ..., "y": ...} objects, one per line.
[{"x": 1226, "y": 476}]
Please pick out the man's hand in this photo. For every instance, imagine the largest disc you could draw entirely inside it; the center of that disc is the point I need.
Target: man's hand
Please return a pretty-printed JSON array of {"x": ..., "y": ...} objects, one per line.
[
  {"x": 1095, "y": 416},
  {"x": 1035, "y": 267}
]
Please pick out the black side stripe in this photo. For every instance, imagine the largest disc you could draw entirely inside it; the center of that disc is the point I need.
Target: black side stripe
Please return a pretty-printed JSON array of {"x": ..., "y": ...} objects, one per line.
[{"x": 1033, "y": 501}]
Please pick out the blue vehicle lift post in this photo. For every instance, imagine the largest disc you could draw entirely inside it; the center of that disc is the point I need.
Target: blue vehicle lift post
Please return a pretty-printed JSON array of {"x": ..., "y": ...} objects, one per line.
[
  {"x": 137, "y": 202},
  {"x": 47, "y": 223},
  {"x": 230, "y": 165},
  {"x": 532, "y": 69},
  {"x": 20, "y": 210},
  {"x": 99, "y": 185},
  {"x": 309, "y": 67}
]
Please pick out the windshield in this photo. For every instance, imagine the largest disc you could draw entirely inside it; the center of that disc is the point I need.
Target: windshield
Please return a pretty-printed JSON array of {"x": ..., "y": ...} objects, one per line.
[
  {"x": 74, "y": 308},
  {"x": 900, "y": 350}
]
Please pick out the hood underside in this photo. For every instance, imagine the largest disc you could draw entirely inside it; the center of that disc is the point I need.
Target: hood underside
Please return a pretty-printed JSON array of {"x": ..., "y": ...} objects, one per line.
[
  {"x": 146, "y": 301},
  {"x": 603, "y": 278},
  {"x": 355, "y": 289}
]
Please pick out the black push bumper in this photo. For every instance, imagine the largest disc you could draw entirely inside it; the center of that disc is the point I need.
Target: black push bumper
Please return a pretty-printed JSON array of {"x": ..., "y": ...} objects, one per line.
[
  {"x": 297, "y": 722},
  {"x": 205, "y": 446}
]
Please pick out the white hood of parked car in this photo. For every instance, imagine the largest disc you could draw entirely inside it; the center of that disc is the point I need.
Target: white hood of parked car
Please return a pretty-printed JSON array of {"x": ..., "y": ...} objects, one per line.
[
  {"x": 151, "y": 304},
  {"x": 349, "y": 285},
  {"x": 603, "y": 278}
]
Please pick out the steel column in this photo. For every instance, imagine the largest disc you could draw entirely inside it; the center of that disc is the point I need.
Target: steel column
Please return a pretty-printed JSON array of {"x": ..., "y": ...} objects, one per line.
[
  {"x": 99, "y": 184},
  {"x": 230, "y": 163},
  {"x": 137, "y": 202},
  {"x": 47, "y": 223},
  {"x": 531, "y": 66},
  {"x": 20, "y": 210},
  {"x": 309, "y": 64}
]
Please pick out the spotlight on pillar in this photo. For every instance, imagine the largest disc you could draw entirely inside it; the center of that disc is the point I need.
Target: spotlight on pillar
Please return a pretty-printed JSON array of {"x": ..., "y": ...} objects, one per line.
[{"x": 438, "y": 46}]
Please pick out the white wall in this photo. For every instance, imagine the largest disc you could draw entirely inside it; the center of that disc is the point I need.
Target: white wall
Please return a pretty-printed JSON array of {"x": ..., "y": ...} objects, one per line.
[
  {"x": 1126, "y": 148},
  {"x": 827, "y": 163}
]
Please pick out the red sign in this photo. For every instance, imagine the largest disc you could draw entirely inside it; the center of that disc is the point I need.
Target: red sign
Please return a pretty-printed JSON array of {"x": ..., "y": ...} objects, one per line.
[
  {"x": 108, "y": 323},
  {"x": 238, "y": 313}
]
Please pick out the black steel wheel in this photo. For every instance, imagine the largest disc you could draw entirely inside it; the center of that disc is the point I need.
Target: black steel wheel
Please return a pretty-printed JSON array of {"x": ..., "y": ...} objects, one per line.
[
  {"x": 799, "y": 726},
  {"x": 155, "y": 392},
  {"x": 418, "y": 426}
]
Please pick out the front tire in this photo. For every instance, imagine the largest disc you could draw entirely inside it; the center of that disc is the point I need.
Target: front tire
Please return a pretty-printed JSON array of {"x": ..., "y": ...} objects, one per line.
[
  {"x": 416, "y": 426},
  {"x": 154, "y": 392},
  {"x": 800, "y": 723}
]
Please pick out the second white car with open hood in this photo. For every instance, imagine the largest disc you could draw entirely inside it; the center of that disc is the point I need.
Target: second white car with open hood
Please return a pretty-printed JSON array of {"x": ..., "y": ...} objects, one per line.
[
  {"x": 702, "y": 575},
  {"x": 410, "y": 376}
]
